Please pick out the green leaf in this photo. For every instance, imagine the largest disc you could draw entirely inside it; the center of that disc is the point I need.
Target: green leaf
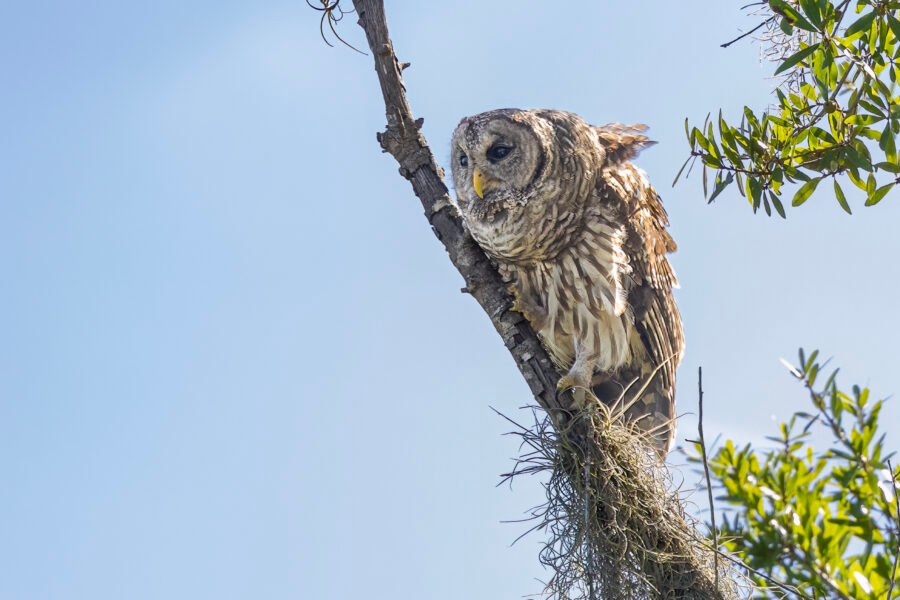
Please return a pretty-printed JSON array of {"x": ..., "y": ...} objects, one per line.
[
  {"x": 853, "y": 174},
  {"x": 681, "y": 170},
  {"x": 889, "y": 167},
  {"x": 858, "y": 119},
  {"x": 894, "y": 24},
  {"x": 876, "y": 196},
  {"x": 700, "y": 139},
  {"x": 888, "y": 144},
  {"x": 841, "y": 198},
  {"x": 721, "y": 184},
  {"x": 754, "y": 192},
  {"x": 786, "y": 27},
  {"x": 856, "y": 159},
  {"x": 862, "y": 24},
  {"x": 712, "y": 161},
  {"x": 779, "y": 207},
  {"x": 791, "y": 13},
  {"x": 805, "y": 191},
  {"x": 865, "y": 131},
  {"x": 797, "y": 57},
  {"x": 811, "y": 10}
]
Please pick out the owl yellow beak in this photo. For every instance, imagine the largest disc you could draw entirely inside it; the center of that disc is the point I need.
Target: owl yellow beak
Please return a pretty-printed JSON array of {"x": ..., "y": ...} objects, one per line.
[{"x": 478, "y": 183}]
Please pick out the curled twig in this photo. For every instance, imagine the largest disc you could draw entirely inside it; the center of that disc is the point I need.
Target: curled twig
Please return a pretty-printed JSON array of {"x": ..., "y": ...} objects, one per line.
[{"x": 332, "y": 13}]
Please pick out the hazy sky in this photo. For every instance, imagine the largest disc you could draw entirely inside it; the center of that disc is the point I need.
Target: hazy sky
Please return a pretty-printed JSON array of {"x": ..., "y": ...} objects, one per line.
[{"x": 235, "y": 362}]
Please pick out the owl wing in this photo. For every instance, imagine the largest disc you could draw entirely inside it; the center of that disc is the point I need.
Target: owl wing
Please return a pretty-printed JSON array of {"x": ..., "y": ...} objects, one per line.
[
  {"x": 622, "y": 142},
  {"x": 656, "y": 317},
  {"x": 657, "y": 320}
]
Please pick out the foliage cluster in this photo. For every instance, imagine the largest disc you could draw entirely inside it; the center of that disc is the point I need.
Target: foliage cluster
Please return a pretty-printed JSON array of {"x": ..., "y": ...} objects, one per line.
[
  {"x": 837, "y": 114},
  {"x": 824, "y": 523}
]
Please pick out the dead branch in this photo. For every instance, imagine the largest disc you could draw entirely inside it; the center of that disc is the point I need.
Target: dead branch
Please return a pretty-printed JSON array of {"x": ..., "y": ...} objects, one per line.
[
  {"x": 703, "y": 455},
  {"x": 403, "y": 140}
]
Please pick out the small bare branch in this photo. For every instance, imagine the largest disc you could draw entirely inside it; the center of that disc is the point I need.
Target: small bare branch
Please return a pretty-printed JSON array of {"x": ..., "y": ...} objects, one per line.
[
  {"x": 404, "y": 141},
  {"x": 703, "y": 455},
  {"x": 751, "y": 32}
]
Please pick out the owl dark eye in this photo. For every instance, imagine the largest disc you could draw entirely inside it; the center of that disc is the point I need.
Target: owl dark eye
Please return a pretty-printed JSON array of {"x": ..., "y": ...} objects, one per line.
[
  {"x": 498, "y": 152},
  {"x": 463, "y": 160}
]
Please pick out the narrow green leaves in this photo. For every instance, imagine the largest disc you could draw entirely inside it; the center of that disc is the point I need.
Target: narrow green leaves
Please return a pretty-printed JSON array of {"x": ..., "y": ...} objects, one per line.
[
  {"x": 805, "y": 192},
  {"x": 836, "y": 110},
  {"x": 894, "y": 24},
  {"x": 841, "y": 198},
  {"x": 795, "y": 58},
  {"x": 863, "y": 24},
  {"x": 793, "y": 511},
  {"x": 877, "y": 195},
  {"x": 720, "y": 185}
]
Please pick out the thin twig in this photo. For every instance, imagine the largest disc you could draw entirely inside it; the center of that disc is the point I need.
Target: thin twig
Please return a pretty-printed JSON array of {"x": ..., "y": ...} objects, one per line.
[
  {"x": 751, "y": 32},
  {"x": 712, "y": 508}
]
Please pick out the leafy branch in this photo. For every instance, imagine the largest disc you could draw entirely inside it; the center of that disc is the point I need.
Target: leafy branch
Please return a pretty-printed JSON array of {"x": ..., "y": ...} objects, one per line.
[
  {"x": 825, "y": 523},
  {"x": 837, "y": 114}
]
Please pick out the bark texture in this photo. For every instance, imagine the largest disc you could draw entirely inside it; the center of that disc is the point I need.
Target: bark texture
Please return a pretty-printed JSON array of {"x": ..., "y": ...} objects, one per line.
[{"x": 403, "y": 140}]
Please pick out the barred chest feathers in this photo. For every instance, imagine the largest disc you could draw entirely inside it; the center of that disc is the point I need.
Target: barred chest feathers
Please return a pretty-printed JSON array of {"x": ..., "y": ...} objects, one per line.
[
  {"x": 579, "y": 234},
  {"x": 576, "y": 300}
]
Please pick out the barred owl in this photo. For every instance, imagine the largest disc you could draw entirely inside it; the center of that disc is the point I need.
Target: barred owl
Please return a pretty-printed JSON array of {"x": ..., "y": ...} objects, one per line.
[{"x": 579, "y": 234}]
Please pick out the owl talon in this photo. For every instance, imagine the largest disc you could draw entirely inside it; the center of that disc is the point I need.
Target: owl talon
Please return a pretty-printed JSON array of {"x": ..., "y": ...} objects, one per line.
[{"x": 568, "y": 383}]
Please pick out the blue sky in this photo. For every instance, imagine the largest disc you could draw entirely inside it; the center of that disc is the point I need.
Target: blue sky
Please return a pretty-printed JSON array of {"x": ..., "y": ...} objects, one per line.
[{"x": 235, "y": 362}]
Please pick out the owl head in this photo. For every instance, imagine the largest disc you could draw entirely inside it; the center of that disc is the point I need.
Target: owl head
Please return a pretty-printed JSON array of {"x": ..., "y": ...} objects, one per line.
[{"x": 523, "y": 177}]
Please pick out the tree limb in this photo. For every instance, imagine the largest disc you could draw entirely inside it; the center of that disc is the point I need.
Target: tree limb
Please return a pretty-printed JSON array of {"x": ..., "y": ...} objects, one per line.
[
  {"x": 408, "y": 146},
  {"x": 703, "y": 455}
]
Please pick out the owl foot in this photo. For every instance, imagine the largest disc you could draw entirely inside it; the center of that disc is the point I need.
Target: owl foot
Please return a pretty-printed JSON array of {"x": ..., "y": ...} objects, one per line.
[{"x": 575, "y": 385}]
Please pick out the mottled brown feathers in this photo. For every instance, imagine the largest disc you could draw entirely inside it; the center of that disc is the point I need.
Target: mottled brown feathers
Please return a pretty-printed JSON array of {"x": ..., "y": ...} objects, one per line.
[
  {"x": 623, "y": 142},
  {"x": 580, "y": 235}
]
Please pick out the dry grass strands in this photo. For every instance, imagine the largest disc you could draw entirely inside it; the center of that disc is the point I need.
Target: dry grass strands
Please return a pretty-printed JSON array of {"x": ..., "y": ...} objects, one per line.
[{"x": 616, "y": 529}]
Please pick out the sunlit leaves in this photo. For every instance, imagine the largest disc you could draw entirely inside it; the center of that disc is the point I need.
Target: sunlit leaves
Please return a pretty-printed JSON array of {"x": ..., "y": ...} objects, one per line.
[
  {"x": 805, "y": 192},
  {"x": 823, "y": 521},
  {"x": 837, "y": 113},
  {"x": 795, "y": 58},
  {"x": 861, "y": 25},
  {"x": 877, "y": 195},
  {"x": 841, "y": 198}
]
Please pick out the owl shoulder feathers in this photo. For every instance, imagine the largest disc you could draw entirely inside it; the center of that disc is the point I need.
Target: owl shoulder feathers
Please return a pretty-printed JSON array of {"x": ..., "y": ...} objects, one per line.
[
  {"x": 647, "y": 242},
  {"x": 644, "y": 216}
]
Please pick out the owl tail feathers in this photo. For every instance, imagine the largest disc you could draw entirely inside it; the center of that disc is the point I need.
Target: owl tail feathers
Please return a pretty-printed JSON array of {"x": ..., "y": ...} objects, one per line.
[
  {"x": 642, "y": 399},
  {"x": 623, "y": 142}
]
